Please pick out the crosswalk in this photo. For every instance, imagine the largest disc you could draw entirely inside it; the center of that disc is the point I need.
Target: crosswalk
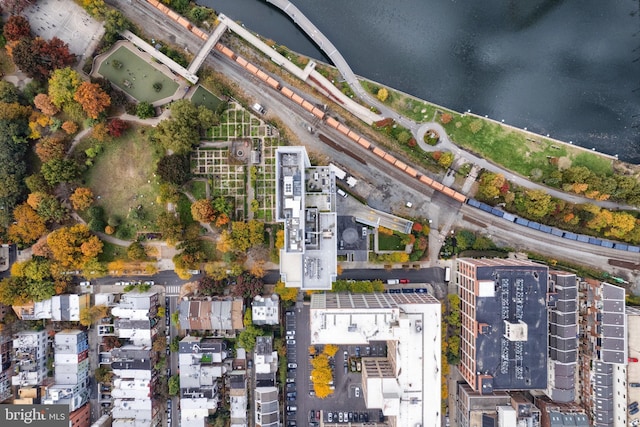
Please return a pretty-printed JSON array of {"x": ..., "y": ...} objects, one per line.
[{"x": 172, "y": 290}]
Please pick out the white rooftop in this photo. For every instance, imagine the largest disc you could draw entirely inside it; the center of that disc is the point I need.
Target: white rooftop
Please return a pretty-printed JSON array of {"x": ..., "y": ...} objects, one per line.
[{"x": 411, "y": 323}]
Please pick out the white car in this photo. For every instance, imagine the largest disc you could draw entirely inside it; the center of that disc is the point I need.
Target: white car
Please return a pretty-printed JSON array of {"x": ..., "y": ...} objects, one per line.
[
  {"x": 357, "y": 392},
  {"x": 291, "y": 342}
]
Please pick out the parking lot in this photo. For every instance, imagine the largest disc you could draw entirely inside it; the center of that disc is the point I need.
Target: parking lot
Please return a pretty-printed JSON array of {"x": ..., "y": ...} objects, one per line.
[{"x": 346, "y": 404}]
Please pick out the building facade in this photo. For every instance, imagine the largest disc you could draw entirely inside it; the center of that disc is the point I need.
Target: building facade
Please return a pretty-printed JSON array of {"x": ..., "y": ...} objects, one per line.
[{"x": 30, "y": 358}]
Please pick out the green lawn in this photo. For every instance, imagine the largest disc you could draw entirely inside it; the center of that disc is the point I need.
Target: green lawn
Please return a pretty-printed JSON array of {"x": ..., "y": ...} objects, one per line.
[
  {"x": 198, "y": 189},
  {"x": 123, "y": 183},
  {"x": 136, "y": 77},
  {"x": 416, "y": 109},
  {"x": 184, "y": 210},
  {"x": 390, "y": 243},
  {"x": 202, "y": 96},
  {"x": 596, "y": 164},
  {"x": 111, "y": 252}
]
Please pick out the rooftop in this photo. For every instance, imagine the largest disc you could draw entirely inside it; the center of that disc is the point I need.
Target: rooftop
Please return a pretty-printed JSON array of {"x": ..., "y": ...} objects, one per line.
[{"x": 511, "y": 314}]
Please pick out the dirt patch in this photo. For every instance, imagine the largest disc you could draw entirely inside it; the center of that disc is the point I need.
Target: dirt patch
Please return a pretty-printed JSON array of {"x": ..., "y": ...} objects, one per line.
[{"x": 564, "y": 163}]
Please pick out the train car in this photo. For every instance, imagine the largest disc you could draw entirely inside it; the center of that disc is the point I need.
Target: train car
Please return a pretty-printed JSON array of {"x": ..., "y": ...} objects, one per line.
[
  {"x": 607, "y": 244},
  {"x": 401, "y": 165},
  {"x": 199, "y": 33},
  {"x": 173, "y": 15},
  {"x": 509, "y": 217},
  {"x": 545, "y": 228},
  {"x": 273, "y": 83},
  {"x": 365, "y": 143},
  {"x": 534, "y": 225},
  {"x": 251, "y": 68},
  {"x": 570, "y": 236},
  {"x": 497, "y": 212},
  {"x": 153, "y": 2},
  {"x": 378, "y": 152},
  {"x": 185, "y": 23},
  {"x": 242, "y": 62},
  {"x": 448, "y": 191},
  {"x": 343, "y": 129},
  {"x": 262, "y": 75},
  {"x": 459, "y": 197},
  {"x": 582, "y": 238},
  {"x": 438, "y": 186},
  {"x": 332, "y": 122},
  {"x": 297, "y": 98},
  {"x": 411, "y": 171},
  {"x": 620, "y": 246},
  {"x": 557, "y": 232},
  {"x": 318, "y": 113},
  {"x": 522, "y": 221},
  {"x": 474, "y": 203},
  {"x": 353, "y": 136},
  {"x": 485, "y": 207},
  {"x": 634, "y": 249},
  {"x": 389, "y": 158},
  {"x": 162, "y": 8},
  {"x": 424, "y": 179},
  {"x": 307, "y": 106},
  {"x": 286, "y": 92},
  {"x": 594, "y": 241}
]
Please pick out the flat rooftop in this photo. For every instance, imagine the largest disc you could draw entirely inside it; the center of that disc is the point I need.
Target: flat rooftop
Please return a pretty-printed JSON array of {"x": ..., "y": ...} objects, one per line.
[{"x": 512, "y": 347}]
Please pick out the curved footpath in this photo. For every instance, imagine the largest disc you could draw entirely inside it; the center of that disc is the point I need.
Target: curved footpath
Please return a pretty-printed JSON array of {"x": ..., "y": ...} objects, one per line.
[{"x": 419, "y": 129}]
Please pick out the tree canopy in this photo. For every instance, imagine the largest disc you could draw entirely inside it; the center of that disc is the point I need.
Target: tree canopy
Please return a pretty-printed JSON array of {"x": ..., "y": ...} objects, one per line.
[
  {"x": 182, "y": 131},
  {"x": 73, "y": 246}
]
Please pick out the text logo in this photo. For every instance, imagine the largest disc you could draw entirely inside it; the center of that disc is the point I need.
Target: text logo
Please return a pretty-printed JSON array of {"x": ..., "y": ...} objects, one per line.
[{"x": 34, "y": 415}]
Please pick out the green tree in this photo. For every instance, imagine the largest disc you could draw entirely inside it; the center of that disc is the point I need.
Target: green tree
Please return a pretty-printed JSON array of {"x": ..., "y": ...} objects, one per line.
[
  {"x": 103, "y": 374},
  {"x": 174, "y": 385},
  {"x": 170, "y": 226},
  {"x": 247, "y": 338},
  {"x": 136, "y": 252},
  {"x": 56, "y": 171},
  {"x": 536, "y": 204},
  {"x": 286, "y": 294},
  {"x": 182, "y": 131},
  {"x": 173, "y": 169},
  {"x": 144, "y": 110}
]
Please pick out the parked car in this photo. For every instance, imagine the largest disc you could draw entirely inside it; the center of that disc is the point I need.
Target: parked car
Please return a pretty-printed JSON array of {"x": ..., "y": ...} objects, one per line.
[
  {"x": 292, "y": 365},
  {"x": 357, "y": 392},
  {"x": 404, "y": 280},
  {"x": 634, "y": 411},
  {"x": 340, "y": 419},
  {"x": 330, "y": 417},
  {"x": 357, "y": 351},
  {"x": 291, "y": 342},
  {"x": 635, "y": 422},
  {"x": 634, "y": 384},
  {"x": 346, "y": 355},
  {"x": 633, "y": 359},
  {"x": 292, "y": 408},
  {"x": 290, "y": 313}
]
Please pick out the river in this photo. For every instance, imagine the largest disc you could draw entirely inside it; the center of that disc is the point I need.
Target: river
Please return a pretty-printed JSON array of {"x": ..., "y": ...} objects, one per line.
[{"x": 568, "y": 68}]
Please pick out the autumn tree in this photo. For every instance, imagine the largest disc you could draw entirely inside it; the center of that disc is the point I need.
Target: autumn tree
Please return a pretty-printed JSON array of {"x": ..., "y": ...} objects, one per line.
[
  {"x": 44, "y": 104},
  {"x": 81, "y": 198},
  {"x": 535, "y": 204},
  {"x": 248, "y": 286},
  {"x": 28, "y": 226},
  {"x": 208, "y": 285},
  {"x": 51, "y": 209},
  {"x": 92, "y": 98},
  {"x": 51, "y": 147},
  {"x": 170, "y": 226},
  {"x": 38, "y": 57},
  {"x": 286, "y": 294},
  {"x": 382, "y": 94},
  {"x": 202, "y": 211},
  {"x": 91, "y": 315},
  {"x": 63, "y": 84},
  {"x": 16, "y": 28},
  {"x": 446, "y": 159},
  {"x": 70, "y": 127},
  {"x": 490, "y": 184},
  {"x": 246, "y": 234},
  {"x": 116, "y": 127},
  {"x": 73, "y": 246}
]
